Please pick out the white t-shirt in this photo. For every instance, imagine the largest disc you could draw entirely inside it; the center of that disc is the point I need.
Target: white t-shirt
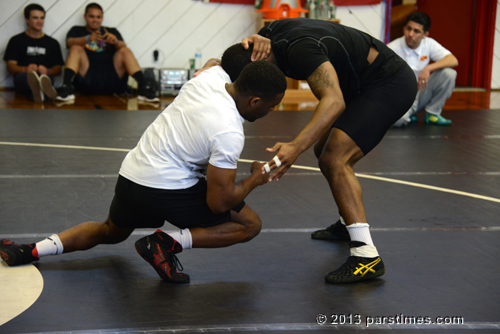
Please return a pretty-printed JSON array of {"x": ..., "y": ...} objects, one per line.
[
  {"x": 201, "y": 126},
  {"x": 420, "y": 57}
]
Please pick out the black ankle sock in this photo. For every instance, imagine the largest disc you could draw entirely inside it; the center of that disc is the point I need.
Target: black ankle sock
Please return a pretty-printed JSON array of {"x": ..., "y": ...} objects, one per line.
[
  {"x": 139, "y": 77},
  {"x": 68, "y": 76}
]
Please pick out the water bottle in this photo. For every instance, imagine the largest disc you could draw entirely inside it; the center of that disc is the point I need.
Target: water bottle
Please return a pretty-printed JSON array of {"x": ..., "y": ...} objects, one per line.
[
  {"x": 333, "y": 9},
  {"x": 312, "y": 9}
]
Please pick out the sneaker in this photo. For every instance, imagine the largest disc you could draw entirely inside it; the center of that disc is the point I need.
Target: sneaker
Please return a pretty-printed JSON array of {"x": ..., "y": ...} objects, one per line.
[
  {"x": 34, "y": 83},
  {"x": 16, "y": 254},
  {"x": 335, "y": 232},
  {"x": 63, "y": 103},
  {"x": 436, "y": 119},
  {"x": 413, "y": 119},
  {"x": 65, "y": 93},
  {"x": 47, "y": 87},
  {"x": 159, "y": 251},
  {"x": 148, "y": 94},
  {"x": 357, "y": 268}
]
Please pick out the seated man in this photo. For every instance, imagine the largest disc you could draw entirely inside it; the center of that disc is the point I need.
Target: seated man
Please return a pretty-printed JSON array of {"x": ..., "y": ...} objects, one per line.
[
  {"x": 33, "y": 57},
  {"x": 163, "y": 177},
  {"x": 101, "y": 60},
  {"x": 435, "y": 81}
]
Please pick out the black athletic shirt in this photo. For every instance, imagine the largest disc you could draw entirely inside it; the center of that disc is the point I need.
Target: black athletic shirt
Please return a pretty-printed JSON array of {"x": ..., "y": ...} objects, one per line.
[
  {"x": 25, "y": 50},
  {"x": 95, "y": 52},
  {"x": 301, "y": 45}
]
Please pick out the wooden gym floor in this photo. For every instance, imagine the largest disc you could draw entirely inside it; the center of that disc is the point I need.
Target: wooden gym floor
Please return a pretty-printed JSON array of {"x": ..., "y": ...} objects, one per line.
[
  {"x": 461, "y": 99},
  {"x": 432, "y": 197}
]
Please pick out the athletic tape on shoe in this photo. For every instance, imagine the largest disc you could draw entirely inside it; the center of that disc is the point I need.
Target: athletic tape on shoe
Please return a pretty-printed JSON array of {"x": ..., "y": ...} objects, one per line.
[
  {"x": 364, "y": 251},
  {"x": 267, "y": 168},
  {"x": 277, "y": 161}
]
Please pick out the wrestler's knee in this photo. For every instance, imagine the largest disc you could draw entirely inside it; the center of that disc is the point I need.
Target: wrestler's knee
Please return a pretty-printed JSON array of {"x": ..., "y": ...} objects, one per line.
[
  {"x": 114, "y": 234},
  {"x": 330, "y": 162},
  {"x": 252, "y": 222}
]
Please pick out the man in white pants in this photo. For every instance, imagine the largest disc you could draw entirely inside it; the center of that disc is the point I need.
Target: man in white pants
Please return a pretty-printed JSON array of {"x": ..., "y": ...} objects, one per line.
[{"x": 436, "y": 80}]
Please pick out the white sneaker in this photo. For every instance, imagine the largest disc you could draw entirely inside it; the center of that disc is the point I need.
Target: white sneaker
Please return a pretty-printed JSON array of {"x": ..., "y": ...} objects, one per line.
[
  {"x": 65, "y": 94},
  {"x": 47, "y": 87},
  {"x": 145, "y": 99},
  {"x": 148, "y": 94},
  {"x": 34, "y": 83},
  {"x": 404, "y": 120}
]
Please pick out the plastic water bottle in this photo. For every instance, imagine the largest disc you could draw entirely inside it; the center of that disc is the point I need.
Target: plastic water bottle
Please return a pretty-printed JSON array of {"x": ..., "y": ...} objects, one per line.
[
  {"x": 332, "y": 9},
  {"x": 312, "y": 9},
  {"x": 197, "y": 58}
]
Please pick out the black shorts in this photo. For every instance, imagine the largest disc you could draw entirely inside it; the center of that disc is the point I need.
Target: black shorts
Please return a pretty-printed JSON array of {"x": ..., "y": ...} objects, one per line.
[
  {"x": 136, "y": 206},
  {"x": 101, "y": 79},
  {"x": 369, "y": 115}
]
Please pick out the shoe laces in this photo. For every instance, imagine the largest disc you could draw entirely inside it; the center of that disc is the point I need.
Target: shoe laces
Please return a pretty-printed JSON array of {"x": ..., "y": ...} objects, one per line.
[
  {"x": 350, "y": 265},
  {"x": 174, "y": 261},
  {"x": 6, "y": 242}
]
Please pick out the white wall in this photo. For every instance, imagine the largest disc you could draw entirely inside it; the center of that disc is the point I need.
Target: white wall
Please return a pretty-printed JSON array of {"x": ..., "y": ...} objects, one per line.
[
  {"x": 495, "y": 72},
  {"x": 369, "y": 19},
  {"x": 174, "y": 27}
]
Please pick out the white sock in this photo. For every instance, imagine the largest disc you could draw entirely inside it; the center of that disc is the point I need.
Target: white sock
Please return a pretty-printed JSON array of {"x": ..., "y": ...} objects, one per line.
[
  {"x": 183, "y": 237},
  {"x": 50, "y": 246},
  {"x": 361, "y": 232},
  {"x": 342, "y": 221}
]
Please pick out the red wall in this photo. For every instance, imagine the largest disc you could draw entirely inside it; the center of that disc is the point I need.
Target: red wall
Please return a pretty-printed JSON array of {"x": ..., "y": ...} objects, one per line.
[{"x": 452, "y": 27}]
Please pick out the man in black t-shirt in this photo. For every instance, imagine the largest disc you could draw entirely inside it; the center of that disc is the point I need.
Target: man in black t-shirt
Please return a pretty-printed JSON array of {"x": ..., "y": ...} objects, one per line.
[
  {"x": 363, "y": 87},
  {"x": 33, "y": 57},
  {"x": 99, "y": 61}
]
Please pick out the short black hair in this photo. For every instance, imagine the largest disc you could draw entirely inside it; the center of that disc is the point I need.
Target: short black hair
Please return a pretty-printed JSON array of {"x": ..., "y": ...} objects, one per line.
[
  {"x": 93, "y": 5},
  {"x": 420, "y": 18},
  {"x": 30, "y": 7},
  {"x": 262, "y": 79},
  {"x": 235, "y": 58}
]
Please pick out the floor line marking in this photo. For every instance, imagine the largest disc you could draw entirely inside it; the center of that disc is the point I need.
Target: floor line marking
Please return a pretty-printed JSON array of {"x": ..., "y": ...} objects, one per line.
[
  {"x": 378, "y": 178},
  {"x": 143, "y": 232},
  {"x": 413, "y": 184},
  {"x": 67, "y": 146},
  {"x": 442, "y": 137},
  {"x": 62, "y": 176},
  {"x": 284, "y": 327}
]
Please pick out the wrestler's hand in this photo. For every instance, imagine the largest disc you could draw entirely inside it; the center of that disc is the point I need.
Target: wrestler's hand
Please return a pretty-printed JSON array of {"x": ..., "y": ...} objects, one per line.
[
  {"x": 211, "y": 62},
  {"x": 287, "y": 153},
  {"x": 255, "y": 169},
  {"x": 261, "y": 46}
]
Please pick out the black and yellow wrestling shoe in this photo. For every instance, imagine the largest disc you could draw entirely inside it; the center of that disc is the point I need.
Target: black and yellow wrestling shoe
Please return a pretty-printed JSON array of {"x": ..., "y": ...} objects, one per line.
[{"x": 357, "y": 268}]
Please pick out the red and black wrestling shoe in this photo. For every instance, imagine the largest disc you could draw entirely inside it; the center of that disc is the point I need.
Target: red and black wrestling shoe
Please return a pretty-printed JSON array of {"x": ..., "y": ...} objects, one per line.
[
  {"x": 159, "y": 251},
  {"x": 16, "y": 254}
]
